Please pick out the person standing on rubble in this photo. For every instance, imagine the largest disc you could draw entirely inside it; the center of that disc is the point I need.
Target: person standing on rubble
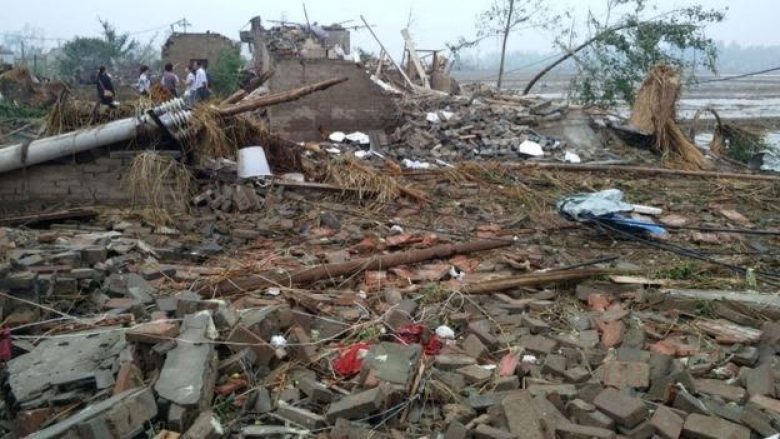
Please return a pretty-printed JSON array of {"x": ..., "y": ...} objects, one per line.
[
  {"x": 105, "y": 88},
  {"x": 189, "y": 83},
  {"x": 170, "y": 81},
  {"x": 144, "y": 83},
  {"x": 201, "y": 85}
]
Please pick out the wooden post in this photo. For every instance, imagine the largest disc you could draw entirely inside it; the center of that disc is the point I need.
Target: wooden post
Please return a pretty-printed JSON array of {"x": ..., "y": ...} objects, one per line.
[
  {"x": 406, "y": 78},
  {"x": 415, "y": 59}
]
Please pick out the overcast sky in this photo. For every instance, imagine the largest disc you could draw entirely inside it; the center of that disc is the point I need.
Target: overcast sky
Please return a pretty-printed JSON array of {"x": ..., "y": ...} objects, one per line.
[{"x": 434, "y": 22}]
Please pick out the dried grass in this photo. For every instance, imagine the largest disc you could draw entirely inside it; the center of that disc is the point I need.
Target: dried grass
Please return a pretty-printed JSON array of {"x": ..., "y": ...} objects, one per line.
[
  {"x": 70, "y": 115},
  {"x": 495, "y": 174},
  {"x": 161, "y": 185},
  {"x": 654, "y": 113},
  {"x": 367, "y": 183},
  {"x": 159, "y": 94}
]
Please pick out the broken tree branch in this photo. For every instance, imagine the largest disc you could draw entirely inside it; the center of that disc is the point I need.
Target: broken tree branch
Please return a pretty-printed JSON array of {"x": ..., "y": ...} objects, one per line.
[
  {"x": 571, "y": 53},
  {"x": 532, "y": 280},
  {"x": 278, "y": 98},
  {"x": 310, "y": 275}
]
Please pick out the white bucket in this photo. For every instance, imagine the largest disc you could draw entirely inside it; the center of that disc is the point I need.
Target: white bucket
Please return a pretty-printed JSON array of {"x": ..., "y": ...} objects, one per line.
[{"x": 252, "y": 163}]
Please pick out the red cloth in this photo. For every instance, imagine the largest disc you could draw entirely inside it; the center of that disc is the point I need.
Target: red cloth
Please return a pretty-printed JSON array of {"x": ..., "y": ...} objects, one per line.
[
  {"x": 6, "y": 344},
  {"x": 350, "y": 360}
]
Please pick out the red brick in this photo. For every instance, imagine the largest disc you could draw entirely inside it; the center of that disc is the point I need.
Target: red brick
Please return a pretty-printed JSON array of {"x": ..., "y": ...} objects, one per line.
[
  {"x": 626, "y": 374},
  {"x": 129, "y": 377},
  {"x": 153, "y": 332},
  {"x": 709, "y": 427},
  {"x": 666, "y": 423},
  {"x": 30, "y": 421},
  {"x": 612, "y": 333},
  {"x": 627, "y": 411}
]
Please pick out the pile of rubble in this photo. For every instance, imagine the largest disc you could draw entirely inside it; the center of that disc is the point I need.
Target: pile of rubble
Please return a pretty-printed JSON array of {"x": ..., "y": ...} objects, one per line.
[
  {"x": 455, "y": 128},
  {"x": 413, "y": 349}
]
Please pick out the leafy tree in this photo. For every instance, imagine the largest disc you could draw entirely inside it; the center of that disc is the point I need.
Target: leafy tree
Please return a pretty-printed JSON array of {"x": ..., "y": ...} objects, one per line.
[
  {"x": 226, "y": 72},
  {"x": 618, "y": 54},
  {"x": 115, "y": 50}
]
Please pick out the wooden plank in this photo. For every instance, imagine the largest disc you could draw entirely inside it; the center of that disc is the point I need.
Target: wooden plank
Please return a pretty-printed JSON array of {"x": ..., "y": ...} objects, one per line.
[
  {"x": 48, "y": 217},
  {"x": 727, "y": 332},
  {"x": 415, "y": 59},
  {"x": 765, "y": 302}
]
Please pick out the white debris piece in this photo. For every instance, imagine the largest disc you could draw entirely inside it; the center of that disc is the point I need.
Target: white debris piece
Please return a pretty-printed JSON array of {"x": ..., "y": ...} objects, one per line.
[
  {"x": 333, "y": 151},
  {"x": 396, "y": 230},
  {"x": 571, "y": 157},
  {"x": 530, "y": 359},
  {"x": 358, "y": 137},
  {"x": 273, "y": 291},
  {"x": 446, "y": 115},
  {"x": 432, "y": 118},
  {"x": 337, "y": 136},
  {"x": 647, "y": 210},
  {"x": 278, "y": 341},
  {"x": 456, "y": 274},
  {"x": 362, "y": 154},
  {"x": 530, "y": 148},
  {"x": 385, "y": 86},
  {"x": 445, "y": 332},
  {"x": 415, "y": 164}
]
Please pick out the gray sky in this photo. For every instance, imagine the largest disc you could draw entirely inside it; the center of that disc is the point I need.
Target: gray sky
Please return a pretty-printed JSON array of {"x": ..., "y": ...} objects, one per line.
[{"x": 434, "y": 22}]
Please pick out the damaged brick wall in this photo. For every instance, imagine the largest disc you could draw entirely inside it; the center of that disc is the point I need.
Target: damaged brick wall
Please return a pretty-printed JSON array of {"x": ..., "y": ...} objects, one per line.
[
  {"x": 357, "y": 105},
  {"x": 180, "y": 49},
  {"x": 65, "y": 184}
]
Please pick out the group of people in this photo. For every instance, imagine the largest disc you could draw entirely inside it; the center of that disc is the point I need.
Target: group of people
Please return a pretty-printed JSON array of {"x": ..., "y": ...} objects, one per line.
[{"x": 197, "y": 85}]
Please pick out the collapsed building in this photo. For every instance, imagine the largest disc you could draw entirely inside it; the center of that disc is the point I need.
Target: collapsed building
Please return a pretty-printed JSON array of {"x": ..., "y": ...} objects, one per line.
[
  {"x": 450, "y": 283},
  {"x": 303, "y": 54}
]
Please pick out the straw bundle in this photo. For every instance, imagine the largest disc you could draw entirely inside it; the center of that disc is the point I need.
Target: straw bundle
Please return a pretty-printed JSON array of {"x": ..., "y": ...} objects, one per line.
[
  {"x": 160, "y": 184},
  {"x": 70, "y": 115},
  {"x": 654, "y": 113},
  {"x": 732, "y": 141}
]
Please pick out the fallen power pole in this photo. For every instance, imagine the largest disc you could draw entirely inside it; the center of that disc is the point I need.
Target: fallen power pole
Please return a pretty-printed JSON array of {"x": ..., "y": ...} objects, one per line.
[
  {"x": 172, "y": 115},
  {"x": 331, "y": 271}
]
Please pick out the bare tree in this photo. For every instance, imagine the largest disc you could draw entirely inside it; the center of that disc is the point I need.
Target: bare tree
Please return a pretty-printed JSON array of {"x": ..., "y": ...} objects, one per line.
[{"x": 505, "y": 17}]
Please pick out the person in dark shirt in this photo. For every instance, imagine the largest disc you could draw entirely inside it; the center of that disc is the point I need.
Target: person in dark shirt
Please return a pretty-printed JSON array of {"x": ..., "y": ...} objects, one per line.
[
  {"x": 170, "y": 81},
  {"x": 105, "y": 88}
]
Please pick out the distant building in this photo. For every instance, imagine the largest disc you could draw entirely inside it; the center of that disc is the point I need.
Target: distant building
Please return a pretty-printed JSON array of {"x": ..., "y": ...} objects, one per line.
[
  {"x": 181, "y": 49},
  {"x": 7, "y": 56}
]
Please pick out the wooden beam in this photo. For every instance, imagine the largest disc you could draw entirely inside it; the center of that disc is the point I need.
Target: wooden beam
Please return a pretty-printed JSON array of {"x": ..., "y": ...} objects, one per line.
[
  {"x": 400, "y": 70},
  {"x": 308, "y": 276},
  {"x": 415, "y": 59}
]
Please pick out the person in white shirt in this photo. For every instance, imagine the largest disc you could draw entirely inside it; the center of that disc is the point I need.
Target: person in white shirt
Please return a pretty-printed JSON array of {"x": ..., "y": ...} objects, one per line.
[
  {"x": 189, "y": 84},
  {"x": 201, "y": 85},
  {"x": 144, "y": 83}
]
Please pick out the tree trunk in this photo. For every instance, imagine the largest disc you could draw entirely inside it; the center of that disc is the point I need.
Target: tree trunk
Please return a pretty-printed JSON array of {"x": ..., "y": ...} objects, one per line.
[
  {"x": 571, "y": 53},
  {"x": 507, "y": 29}
]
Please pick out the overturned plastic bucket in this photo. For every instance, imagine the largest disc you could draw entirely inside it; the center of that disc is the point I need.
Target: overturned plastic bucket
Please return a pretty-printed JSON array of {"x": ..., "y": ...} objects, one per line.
[{"x": 252, "y": 163}]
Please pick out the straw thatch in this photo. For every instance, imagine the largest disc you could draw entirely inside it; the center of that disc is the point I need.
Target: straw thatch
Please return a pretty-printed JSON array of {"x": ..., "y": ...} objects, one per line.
[
  {"x": 654, "y": 113},
  {"x": 159, "y": 186},
  {"x": 68, "y": 115}
]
